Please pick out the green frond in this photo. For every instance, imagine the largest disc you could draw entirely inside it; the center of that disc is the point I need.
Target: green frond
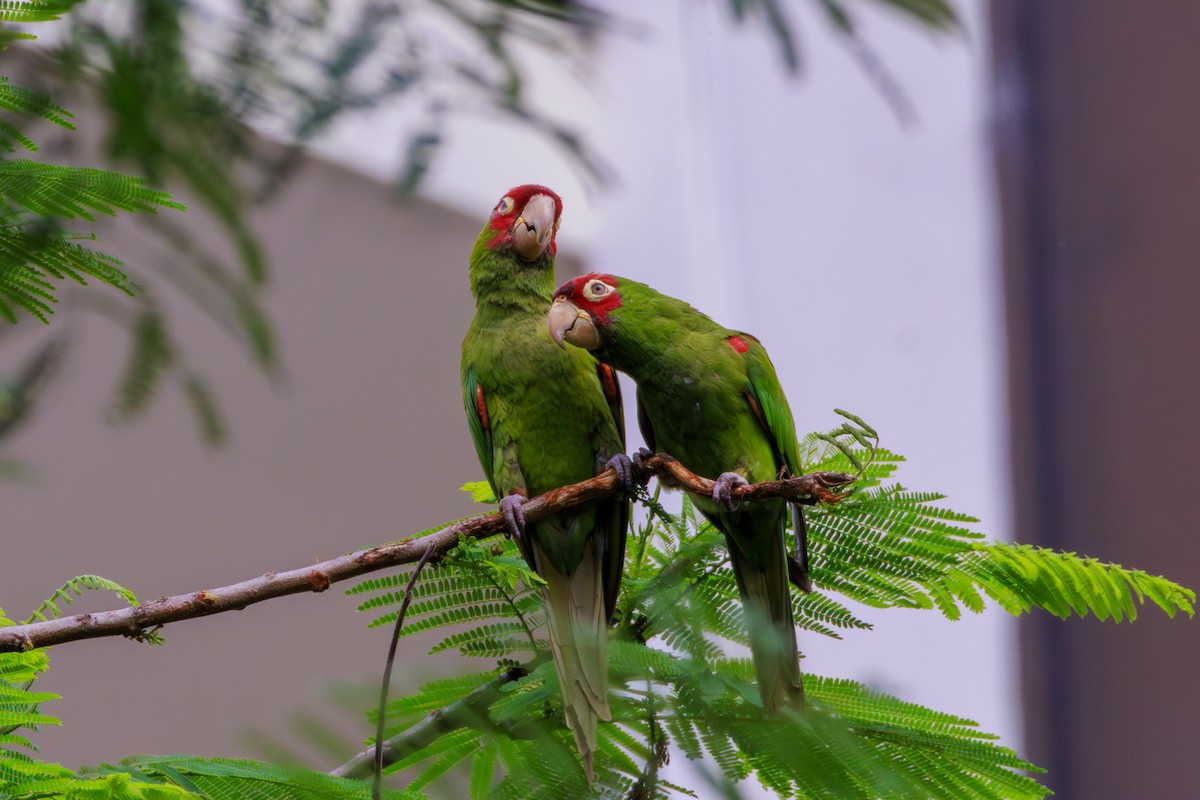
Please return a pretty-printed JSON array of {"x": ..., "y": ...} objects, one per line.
[
  {"x": 204, "y": 408},
  {"x": 434, "y": 695},
  {"x": 26, "y": 102},
  {"x": 500, "y": 609},
  {"x": 447, "y": 751},
  {"x": 470, "y": 587},
  {"x": 12, "y": 695},
  {"x": 631, "y": 659},
  {"x": 150, "y": 357},
  {"x": 23, "y": 719},
  {"x": 22, "y": 668},
  {"x": 75, "y": 588},
  {"x": 31, "y": 254},
  {"x": 54, "y": 190},
  {"x": 34, "y": 103},
  {"x": 235, "y": 779},
  {"x": 398, "y": 579},
  {"x": 1022, "y": 577},
  {"x": 483, "y": 771},
  {"x": 441, "y": 582},
  {"x": 848, "y": 448},
  {"x": 818, "y": 612},
  {"x": 494, "y": 640},
  {"x": 20, "y": 774},
  {"x": 887, "y": 546},
  {"x": 480, "y": 491},
  {"x": 527, "y": 697},
  {"x": 851, "y": 743},
  {"x": 11, "y": 137},
  {"x": 34, "y": 10},
  {"x": 937, "y": 14},
  {"x": 19, "y": 710}
]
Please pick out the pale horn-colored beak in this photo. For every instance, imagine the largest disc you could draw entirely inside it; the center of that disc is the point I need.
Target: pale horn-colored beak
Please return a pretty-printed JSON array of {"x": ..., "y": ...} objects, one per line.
[
  {"x": 567, "y": 322},
  {"x": 533, "y": 230}
]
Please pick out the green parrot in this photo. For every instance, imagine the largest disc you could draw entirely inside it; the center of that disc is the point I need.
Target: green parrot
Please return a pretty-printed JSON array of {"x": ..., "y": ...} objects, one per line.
[
  {"x": 543, "y": 417},
  {"x": 708, "y": 396}
]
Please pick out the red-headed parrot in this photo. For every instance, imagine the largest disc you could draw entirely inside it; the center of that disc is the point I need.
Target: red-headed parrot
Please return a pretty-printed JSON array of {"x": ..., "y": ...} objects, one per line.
[
  {"x": 708, "y": 396},
  {"x": 543, "y": 417}
]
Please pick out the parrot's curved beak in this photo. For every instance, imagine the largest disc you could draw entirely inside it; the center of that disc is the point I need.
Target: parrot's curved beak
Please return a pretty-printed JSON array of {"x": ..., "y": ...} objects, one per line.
[
  {"x": 533, "y": 230},
  {"x": 573, "y": 324}
]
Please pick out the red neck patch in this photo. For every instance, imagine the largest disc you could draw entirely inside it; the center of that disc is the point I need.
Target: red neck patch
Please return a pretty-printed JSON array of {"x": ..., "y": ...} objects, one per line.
[
  {"x": 590, "y": 298},
  {"x": 738, "y": 343}
]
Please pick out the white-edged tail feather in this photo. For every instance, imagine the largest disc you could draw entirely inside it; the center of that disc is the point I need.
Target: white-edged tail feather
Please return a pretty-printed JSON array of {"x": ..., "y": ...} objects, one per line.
[{"x": 579, "y": 642}]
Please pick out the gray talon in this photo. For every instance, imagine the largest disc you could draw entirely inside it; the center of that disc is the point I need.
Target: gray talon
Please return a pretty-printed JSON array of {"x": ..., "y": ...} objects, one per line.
[
  {"x": 623, "y": 466},
  {"x": 723, "y": 489},
  {"x": 514, "y": 515},
  {"x": 639, "y": 461}
]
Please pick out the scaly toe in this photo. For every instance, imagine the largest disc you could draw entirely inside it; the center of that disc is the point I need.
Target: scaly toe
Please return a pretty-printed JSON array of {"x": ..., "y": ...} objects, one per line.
[
  {"x": 623, "y": 466},
  {"x": 723, "y": 489},
  {"x": 514, "y": 515}
]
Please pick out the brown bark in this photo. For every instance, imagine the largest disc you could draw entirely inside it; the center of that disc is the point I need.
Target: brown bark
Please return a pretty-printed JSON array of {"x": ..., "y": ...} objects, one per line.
[{"x": 137, "y": 621}]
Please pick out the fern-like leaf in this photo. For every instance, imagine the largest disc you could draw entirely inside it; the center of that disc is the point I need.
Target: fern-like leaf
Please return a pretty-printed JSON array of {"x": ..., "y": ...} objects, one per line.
[
  {"x": 887, "y": 546},
  {"x": 236, "y": 779},
  {"x": 150, "y": 357},
  {"x": 34, "y": 10},
  {"x": 74, "y": 588},
  {"x": 32, "y": 253},
  {"x": 1022, "y": 577},
  {"x": 27, "y": 102},
  {"x": 70, "y": 192}
]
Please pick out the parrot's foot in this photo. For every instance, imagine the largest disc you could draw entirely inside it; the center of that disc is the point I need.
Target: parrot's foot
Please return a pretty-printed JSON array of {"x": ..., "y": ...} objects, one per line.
[
  {"x": 723, "y": 489},
  {"x": 514, "y": 515},
  {"x": 623, "y": 466},
  {"x": 798, "y": 574},
  {"x": 639, "y": 462}
]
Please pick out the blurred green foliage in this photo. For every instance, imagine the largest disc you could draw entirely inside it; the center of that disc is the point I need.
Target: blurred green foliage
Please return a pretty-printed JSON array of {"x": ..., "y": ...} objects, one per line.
[{"x": 186, "y": 87}]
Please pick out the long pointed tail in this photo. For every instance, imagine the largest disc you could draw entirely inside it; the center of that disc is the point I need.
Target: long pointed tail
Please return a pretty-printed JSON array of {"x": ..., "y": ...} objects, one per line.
[
  {"x": 766, "y": 597},
  {"x": 579, "y": 641}
]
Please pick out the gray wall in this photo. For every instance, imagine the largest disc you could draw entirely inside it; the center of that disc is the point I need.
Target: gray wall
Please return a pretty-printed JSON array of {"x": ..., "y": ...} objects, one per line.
[
  {"x": 1099, "y": 118},
  {"x": 361, "y": 442}
]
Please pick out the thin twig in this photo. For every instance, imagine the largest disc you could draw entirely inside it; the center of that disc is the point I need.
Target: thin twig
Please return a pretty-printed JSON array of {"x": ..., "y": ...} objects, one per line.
[
  {"x": 134, "y": 622},
  {"x": 377, "y": 786},
  {"x": 470, "y": 710}
]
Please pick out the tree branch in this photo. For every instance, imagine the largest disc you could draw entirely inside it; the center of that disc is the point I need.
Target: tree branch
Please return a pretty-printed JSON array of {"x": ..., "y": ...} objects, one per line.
[
  {"x": 136, "y": 621},
  {"x": 470, "y": 711}
]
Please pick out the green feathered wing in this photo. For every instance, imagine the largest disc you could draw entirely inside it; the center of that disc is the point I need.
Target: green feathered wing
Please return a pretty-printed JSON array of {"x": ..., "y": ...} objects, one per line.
[
  {"x": 542, "y": 417},
  {"x": 762, "y": 575},
  {"x": 710, "y": 397}
]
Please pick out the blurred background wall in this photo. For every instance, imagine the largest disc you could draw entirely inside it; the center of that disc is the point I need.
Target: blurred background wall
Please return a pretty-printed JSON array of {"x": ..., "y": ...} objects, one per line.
[
  {"x": 1098, "y": 113},
  {"x": 788, "y": 207}
]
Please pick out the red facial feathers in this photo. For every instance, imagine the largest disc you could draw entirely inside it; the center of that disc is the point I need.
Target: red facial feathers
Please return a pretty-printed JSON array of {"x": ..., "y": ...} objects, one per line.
[
  {"x": 510, "y": 206},
  {"x": 595, "y": 300}
]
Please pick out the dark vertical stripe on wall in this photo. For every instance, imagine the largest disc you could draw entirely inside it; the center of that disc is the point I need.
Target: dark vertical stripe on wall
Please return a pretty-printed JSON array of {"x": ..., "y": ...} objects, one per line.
[
  {"x": 1097, "y": 146},
  {"x": 1021, "y": 138}
]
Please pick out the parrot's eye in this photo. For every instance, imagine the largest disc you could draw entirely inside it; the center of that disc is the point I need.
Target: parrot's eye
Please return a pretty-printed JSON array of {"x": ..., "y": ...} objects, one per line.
[
  {"x": 594, "y": 290},
  {"x": 505, "y": 206}
]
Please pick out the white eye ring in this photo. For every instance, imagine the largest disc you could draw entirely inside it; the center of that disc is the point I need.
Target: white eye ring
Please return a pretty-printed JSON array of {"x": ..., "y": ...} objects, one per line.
[
  {"x": 504, "y": 206},
  {"x": 595, "y": 289}
]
